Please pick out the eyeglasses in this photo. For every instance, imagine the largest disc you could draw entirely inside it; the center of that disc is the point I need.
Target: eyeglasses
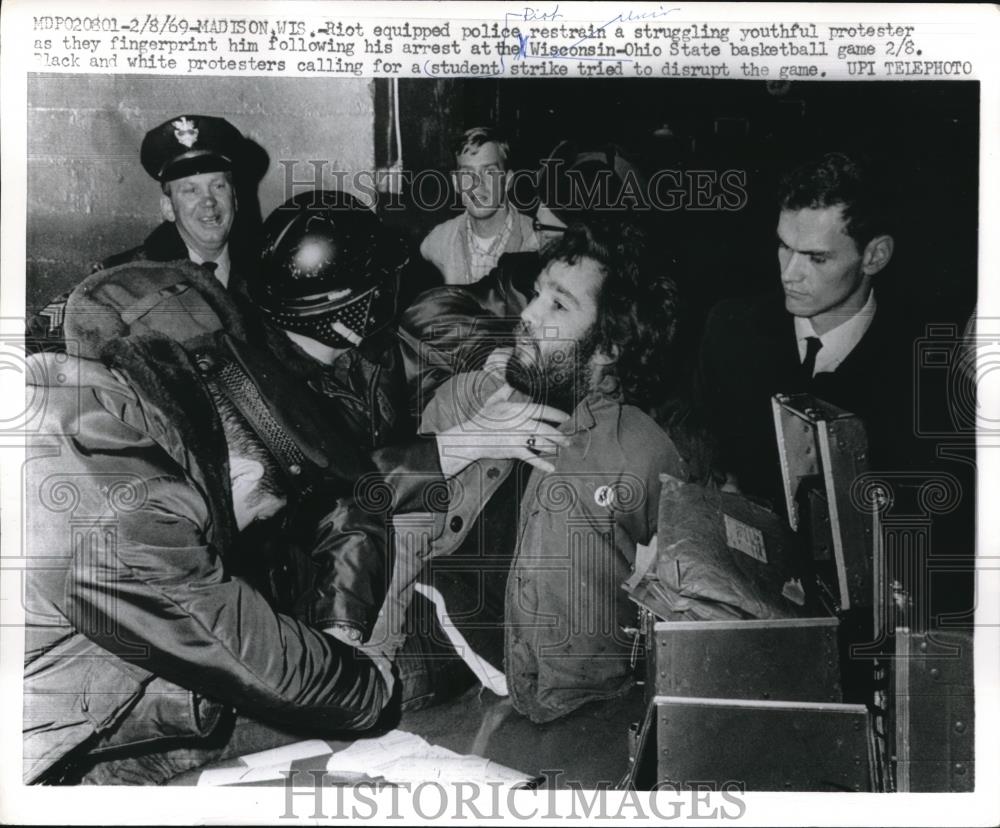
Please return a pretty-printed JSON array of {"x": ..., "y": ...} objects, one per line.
[{"x": 537, "y": 226}]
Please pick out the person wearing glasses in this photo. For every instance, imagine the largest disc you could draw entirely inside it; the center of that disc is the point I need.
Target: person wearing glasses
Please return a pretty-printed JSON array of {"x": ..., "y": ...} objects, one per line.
[{"x": 466, "y": 248}]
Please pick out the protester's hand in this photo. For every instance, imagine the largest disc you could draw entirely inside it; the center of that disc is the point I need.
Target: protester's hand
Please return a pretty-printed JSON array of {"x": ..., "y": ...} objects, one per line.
[
  {"x": 496, "y": 362},
  {"x": 504, "y": 429}
]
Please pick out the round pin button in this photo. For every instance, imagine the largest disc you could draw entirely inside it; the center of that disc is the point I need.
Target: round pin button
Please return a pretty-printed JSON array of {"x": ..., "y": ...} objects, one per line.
[{"x": 604, "y": 496}]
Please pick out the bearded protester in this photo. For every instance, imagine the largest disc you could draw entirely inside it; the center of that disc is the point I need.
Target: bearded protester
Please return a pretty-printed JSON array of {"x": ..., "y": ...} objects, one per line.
[
  {"x": 159, "y": 446},
  {"x": 450, "y": 329},
  {"x": 554, "y": 478}
]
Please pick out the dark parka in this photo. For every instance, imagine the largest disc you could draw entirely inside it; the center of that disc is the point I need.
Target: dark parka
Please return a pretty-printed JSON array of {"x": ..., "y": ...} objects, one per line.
[{"x": 136, "y": 630}]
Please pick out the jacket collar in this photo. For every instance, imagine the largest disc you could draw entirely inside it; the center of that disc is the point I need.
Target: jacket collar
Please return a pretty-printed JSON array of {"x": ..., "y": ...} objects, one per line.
[
  {"x": 165, "y": 244},
  {"x": 786, "y": 334},
  {"x": 839, "y": 342},
  {"x": 584, "y": 417}
]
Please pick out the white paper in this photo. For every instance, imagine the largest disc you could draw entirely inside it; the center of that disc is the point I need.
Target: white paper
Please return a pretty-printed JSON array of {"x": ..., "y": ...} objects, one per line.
[
  {"x": 400, "y": 757},
  {"x": 234, "y": 776},
  {"x": 286, "y": 754}
]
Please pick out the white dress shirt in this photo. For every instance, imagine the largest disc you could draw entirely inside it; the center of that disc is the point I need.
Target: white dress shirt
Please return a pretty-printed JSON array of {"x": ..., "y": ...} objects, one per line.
[
  {"x": 221, "y": 264},
  {"x": 837, "y": 342}
]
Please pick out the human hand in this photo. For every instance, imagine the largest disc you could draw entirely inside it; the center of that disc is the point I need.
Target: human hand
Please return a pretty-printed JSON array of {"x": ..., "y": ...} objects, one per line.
[
  {"x": 496, "y": 362},
  {"x": 503, "y": 429}
]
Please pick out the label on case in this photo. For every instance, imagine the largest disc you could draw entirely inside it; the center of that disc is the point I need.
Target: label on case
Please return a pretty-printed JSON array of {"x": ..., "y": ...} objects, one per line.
[{"x": 747, "y": 539}]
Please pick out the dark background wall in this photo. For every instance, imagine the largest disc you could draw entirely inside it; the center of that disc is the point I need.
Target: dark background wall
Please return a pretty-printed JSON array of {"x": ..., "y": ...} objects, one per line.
[
  {"x": 88, "y": 197},
  {"x": 924, "y": 134}
]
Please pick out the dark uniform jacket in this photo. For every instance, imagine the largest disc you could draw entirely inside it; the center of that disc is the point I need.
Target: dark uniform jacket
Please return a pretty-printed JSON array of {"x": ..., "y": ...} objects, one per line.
[
  {"x": 366, "y": 386},
  {"x": 749, "y": 352}
]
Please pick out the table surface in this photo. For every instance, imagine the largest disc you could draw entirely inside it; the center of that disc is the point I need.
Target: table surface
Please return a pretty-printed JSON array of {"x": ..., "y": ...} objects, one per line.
[{"x": 588, "y": 748}]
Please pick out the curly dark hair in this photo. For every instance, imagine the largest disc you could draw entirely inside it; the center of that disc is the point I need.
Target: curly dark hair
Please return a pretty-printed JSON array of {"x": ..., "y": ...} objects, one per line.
[
  {"x": 637, "y": 304},
  {"x": 838, "y": 179}
]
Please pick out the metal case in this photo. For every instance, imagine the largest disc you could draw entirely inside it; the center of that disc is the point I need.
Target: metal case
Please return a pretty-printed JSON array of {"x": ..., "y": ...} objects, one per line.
[
  {"x": 794, "y": 659},
  {"x": 933, "y": 711},
  {"x": 760, "y": 702},
  {"x": 823, "y": 450},
  {"x": 763, "y": 745}
]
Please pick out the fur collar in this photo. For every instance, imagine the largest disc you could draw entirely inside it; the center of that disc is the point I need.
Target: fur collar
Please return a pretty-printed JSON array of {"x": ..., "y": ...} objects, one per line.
[
  {"x": 111, "y": 304},
  {"x": 133, "y": 319},
  {"x": 181, "y": 417}
]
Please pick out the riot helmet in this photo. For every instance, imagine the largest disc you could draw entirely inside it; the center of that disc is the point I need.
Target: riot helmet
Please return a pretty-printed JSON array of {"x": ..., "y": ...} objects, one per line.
[{"x": 329, "y": 269}]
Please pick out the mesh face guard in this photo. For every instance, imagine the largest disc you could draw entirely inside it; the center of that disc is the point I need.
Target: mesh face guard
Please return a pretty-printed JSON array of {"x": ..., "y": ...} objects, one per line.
[{"x": 333, "y": 322}]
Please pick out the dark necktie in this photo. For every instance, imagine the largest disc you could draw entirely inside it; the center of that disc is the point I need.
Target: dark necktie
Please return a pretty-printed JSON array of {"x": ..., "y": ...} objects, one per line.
[
  {"x": 813, "y": 344},
  {"x": 210, "y": 266}
]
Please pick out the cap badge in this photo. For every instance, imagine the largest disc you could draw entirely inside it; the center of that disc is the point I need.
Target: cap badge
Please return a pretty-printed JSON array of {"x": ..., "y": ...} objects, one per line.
[{"x": 185, "y": 132}]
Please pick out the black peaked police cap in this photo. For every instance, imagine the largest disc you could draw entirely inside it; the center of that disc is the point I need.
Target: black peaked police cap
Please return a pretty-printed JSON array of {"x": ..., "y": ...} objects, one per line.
[{"x": 190, "y": 145}]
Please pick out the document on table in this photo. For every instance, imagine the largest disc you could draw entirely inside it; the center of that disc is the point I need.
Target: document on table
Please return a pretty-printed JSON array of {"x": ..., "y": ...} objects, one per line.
[
  {"x": 267, "y": 765},
  {"x": 399, "y": 757}
]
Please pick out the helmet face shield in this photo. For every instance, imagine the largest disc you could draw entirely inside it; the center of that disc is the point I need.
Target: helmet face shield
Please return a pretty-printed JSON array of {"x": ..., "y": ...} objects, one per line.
[
  {"x": 329, "y": 269},
  {"x": 340, "y": 322}
]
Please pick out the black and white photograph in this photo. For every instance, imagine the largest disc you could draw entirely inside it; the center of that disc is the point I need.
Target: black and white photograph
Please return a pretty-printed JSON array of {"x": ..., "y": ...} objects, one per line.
[{"x": 493, "y": 437}]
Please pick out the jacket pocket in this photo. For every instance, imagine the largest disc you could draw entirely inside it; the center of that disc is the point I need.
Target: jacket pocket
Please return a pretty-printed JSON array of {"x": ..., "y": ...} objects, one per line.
[{"x": 163, "y": 711}]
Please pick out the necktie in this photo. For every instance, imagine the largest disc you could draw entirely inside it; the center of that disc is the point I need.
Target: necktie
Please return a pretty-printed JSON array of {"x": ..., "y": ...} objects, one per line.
[
  {"x": 210, "y": 266},
  {"x": 813, "y": 344}
]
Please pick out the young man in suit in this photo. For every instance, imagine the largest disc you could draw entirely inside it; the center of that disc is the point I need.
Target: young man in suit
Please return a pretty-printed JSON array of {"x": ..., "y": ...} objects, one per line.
[{"x": 825, "y": 333}]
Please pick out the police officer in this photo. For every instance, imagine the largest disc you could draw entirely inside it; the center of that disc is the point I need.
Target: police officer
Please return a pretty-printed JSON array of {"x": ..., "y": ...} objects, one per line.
[
  {"x": 138, "y": 653},
  {"x": 193, "y": 157},
  {"x": 327, "y": 287}
]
